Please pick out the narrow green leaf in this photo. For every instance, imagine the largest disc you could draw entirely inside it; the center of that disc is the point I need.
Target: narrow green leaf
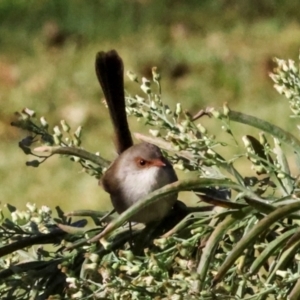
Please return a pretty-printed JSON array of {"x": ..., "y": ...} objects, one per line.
[
  {"x": 274, "y": 130},
  {"x": 284, "y": 258},
  {"x": 270, "y": 249},
  {"x": 249, "y": 238},
  {"x": 185, "y": 185},
  {"x": 295, "y": 293},
  {"x": 213, "y": 241},
  {"x": 287, "y": 181}
]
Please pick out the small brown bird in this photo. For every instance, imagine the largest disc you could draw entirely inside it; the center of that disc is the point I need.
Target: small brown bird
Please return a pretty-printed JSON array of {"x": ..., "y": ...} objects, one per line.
[{"x": 139, "y": 169}]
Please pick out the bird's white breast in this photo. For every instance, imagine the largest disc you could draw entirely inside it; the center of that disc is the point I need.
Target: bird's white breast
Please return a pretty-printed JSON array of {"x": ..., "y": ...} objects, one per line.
[{"x": 139, "y": 184}]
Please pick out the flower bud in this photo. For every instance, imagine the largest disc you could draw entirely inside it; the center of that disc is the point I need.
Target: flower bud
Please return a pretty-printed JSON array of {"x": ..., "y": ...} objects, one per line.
[
  {"x": 57, "y": 131},
  {"x": 201, "y": 128},
  {"x": 154, "y": 132},
  {"x": 44, "y": 123},
  {"x": 146, "y": 86},
  {"x": 226, "y": 109},
  {"x": 216, "y": 114},
  {"x": 65, "y": 126},
  {"x": 29, "y": 112},
  {"x": 31, "y": 207},
  {"x": 132, "y": 76},
  {"x": 155, "y": 75},
  {"x": 78, "y": 132},
  {"x": 178, "y": 109}
]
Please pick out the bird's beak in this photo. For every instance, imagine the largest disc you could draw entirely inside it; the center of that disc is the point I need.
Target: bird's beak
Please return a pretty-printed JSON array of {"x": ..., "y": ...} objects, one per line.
[{"x": 158, "y": 162}]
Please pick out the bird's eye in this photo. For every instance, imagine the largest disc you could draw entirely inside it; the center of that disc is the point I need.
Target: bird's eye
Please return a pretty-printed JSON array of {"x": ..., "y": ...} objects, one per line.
[{"x": 142, "y": 162}]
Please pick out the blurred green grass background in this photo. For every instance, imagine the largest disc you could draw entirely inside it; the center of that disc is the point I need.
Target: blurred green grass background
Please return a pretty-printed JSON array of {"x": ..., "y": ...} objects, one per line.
[{"x": 209, "y": 52}]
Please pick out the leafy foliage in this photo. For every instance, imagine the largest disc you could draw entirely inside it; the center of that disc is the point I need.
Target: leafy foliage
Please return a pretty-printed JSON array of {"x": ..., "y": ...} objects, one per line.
[{"x": 240, "y": 243}]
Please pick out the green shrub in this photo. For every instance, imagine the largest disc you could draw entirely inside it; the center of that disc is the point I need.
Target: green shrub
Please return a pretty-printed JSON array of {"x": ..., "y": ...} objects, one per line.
[{"x": 241, "y": 242}]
